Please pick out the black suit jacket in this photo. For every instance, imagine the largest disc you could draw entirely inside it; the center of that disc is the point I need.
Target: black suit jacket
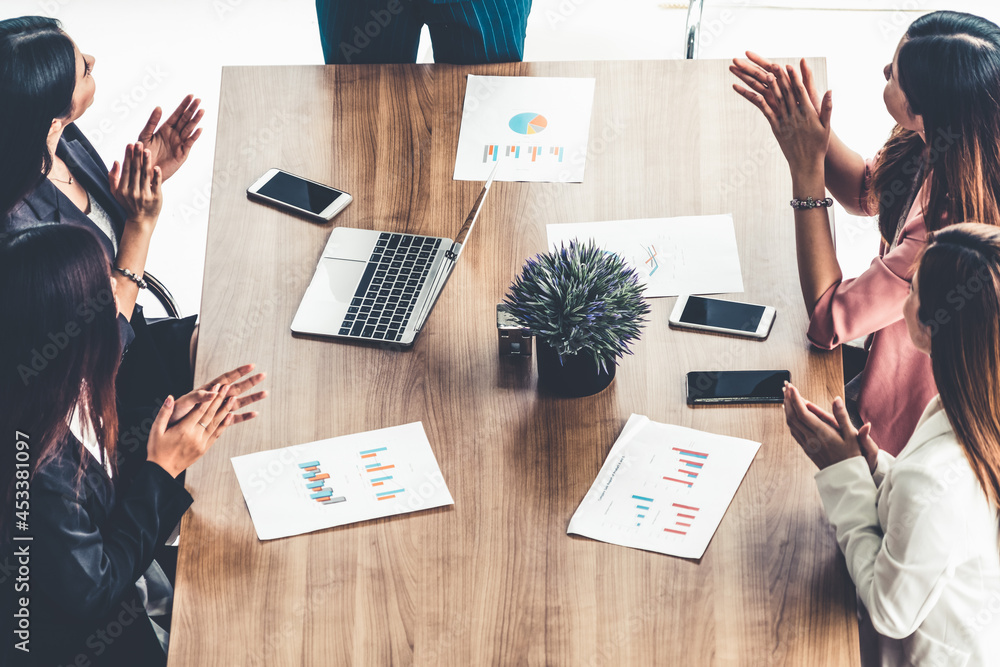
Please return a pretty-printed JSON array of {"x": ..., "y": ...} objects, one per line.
[
  {"x": 90, "y": 544},
  {"x": 47, "y": 204},
  {"x": 155, "y": 355}
]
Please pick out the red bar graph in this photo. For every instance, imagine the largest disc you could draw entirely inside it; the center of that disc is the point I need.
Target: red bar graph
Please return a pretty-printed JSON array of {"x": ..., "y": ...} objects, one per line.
[
  {"x": 671, "y": 530},
  {"x": 689, "y": 452}
]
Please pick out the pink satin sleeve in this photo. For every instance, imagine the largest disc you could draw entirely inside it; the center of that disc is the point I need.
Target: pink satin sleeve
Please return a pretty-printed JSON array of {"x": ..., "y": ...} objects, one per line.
[{"x": 861, "y": 306}]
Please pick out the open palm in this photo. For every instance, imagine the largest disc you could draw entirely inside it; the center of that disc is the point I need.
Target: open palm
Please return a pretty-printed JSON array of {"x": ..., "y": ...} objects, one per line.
[{"x": 171, "y": 144}]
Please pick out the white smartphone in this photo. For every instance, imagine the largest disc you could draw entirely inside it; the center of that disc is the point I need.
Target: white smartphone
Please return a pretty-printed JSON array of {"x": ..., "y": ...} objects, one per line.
[
  {"x": 725, "y": 317},
  {"x": 312, "y": 200}
]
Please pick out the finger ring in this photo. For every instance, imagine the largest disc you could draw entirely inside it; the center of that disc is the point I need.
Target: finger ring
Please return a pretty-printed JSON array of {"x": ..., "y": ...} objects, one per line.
[{"x": 203, "y": 426}]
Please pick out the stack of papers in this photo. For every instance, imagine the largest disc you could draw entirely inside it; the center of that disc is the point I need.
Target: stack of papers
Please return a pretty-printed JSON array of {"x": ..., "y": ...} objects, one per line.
[
  {"x": 333, "y": 482},
  {"x": 663, "y": 488}
]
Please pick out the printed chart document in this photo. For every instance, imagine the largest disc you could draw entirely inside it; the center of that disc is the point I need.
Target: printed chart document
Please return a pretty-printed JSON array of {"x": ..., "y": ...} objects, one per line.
[
  {"x": 673, "y": 256},
  {"x": 538, "y": 125},
  {"x": 663, "y": 488},
  {"x": 343, "y": 480}
]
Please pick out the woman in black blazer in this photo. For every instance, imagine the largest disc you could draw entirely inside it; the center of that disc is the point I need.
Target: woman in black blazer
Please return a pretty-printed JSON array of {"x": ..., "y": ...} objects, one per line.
[
  {"x": 86, "y": 545},
  {"x": 50, "y": 172}
]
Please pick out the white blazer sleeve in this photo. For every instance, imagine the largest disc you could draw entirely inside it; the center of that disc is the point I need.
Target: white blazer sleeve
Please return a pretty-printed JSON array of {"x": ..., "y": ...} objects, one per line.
[
  {"x": 900, "y": 575},
  {"x": 883, "y": 462}
]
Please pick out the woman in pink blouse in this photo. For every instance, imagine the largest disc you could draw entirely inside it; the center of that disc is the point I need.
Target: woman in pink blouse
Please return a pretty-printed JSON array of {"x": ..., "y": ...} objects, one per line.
[{"x": 941, "y": 165}]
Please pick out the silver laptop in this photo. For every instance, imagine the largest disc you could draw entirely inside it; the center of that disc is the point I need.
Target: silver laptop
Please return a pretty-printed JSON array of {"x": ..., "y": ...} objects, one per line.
[{"x": 380, "y": 286}]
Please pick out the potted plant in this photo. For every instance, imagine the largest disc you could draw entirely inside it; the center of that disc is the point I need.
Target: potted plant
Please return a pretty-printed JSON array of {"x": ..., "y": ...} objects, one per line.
[{"x": 584, "y": 306}]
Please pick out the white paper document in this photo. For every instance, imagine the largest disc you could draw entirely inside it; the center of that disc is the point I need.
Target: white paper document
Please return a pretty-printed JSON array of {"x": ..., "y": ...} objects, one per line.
[
  {"x": 673, "y": 256},
  {"x": 537, "y": 126},
  {"x": 663, "y": 488},
  {"x": 342, "y": 480}
]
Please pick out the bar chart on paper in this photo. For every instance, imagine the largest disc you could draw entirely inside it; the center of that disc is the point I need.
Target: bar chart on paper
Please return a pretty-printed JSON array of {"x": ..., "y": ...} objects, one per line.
[
  {"x": 318, "y": 486},
  {"x": 538, "y": 127},
  {"x": 379, "y": 473},
  {"x": 341, "y": 480},
  {"x": 663, "y": 488}
]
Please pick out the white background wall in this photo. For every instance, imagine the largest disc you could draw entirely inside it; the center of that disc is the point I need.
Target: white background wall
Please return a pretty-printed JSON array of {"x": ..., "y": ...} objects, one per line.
[{"x": 153, "y": 52}]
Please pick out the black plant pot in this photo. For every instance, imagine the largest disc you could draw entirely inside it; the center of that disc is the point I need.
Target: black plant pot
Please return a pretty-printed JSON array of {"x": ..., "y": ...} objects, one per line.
[{"x": 576, "y": 376}]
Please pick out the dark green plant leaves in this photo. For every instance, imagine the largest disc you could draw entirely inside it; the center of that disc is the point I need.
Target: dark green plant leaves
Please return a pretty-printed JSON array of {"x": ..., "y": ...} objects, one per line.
[{"x": 580, "y": 300}]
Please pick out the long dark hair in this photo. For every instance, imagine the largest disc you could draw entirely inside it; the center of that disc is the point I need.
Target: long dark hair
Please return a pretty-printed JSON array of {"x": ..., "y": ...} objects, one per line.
[
  {"x": 60, "y": 347},
  {"x": 949, "y": 71},
  {"x": 37, "y": 79},
  {"x": 958, "y": 283}
]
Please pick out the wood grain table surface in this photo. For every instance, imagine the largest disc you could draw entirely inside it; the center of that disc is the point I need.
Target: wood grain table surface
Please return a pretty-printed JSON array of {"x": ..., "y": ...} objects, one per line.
[{"x": 495, "y": 579}]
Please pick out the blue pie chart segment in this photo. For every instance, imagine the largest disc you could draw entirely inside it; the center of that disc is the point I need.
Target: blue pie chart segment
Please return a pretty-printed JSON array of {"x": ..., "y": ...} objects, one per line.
[{"x": 528, "y": 123}]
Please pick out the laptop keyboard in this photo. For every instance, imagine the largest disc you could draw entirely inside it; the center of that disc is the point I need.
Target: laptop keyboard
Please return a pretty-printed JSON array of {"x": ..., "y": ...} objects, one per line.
[{"x": 389, "y": 288}]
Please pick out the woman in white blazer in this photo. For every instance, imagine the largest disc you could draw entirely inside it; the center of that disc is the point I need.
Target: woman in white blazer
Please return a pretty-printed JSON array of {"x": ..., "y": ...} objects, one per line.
[{"x": 920, "y": 532}]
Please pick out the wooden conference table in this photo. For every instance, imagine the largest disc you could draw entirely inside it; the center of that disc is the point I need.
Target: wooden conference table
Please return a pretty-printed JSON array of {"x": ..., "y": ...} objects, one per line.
[{"x": 495, "y": 580}]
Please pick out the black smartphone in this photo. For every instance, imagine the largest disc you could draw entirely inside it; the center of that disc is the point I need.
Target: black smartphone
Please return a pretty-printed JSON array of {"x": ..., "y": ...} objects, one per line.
[{"x": 714, "y": 387}]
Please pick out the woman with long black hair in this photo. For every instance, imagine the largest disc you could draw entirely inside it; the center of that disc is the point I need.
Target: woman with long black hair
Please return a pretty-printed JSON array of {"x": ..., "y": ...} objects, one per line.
[
  {"x": 50, "y": 173},
  {"x": 920, "y": 531},
  {"x": 93, "y": 580},
  {"x": 941, "y": 165}
]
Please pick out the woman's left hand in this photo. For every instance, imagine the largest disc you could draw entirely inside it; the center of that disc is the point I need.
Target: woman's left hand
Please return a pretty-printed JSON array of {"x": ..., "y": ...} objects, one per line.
[
  {"x": 822, "y": 442},
  {"x": 799, "y": 119},
  {"x": 238, "y": 386},
  {"x": 171, "y": 144}
]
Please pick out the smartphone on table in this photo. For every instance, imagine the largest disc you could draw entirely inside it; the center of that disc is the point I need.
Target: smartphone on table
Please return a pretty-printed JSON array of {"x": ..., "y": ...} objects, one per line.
[
  {"x": 717, "y": 387},
  {"x": 726, "y": 317},
  {"x": 309, "y": 199}
]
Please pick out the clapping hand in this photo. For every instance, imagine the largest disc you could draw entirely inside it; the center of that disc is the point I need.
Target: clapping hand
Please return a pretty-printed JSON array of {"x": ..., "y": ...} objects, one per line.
[
  {"x": 186, "y": 428},
  {"x": 136, "y": 185},
  {"x": 827, "y": 438},
  {"x": 171, "y": 143},
  {"x": 798, "y": 116},
  {"x": 236, "y": 388}
]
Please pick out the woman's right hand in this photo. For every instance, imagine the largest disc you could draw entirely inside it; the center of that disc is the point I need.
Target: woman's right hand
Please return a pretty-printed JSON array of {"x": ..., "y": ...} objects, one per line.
[
  {"x": 799, "y": 117},
  {"x": 136, "y": 186},
  {"x": 174, "y": 447}
]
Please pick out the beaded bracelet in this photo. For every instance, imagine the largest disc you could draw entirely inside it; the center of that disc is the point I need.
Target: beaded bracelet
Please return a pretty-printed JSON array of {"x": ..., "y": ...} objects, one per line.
[
  {"x": 131, "y": 276},
  {"x": 810, "y": 203}
]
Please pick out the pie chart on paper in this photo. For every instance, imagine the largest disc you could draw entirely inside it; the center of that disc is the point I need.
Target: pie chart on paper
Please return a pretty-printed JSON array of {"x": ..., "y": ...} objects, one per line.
[{"x": 528, "y": 123}]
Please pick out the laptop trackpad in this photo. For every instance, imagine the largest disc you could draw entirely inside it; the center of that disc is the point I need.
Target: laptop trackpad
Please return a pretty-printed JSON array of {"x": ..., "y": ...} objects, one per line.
[
  {"x": 325, "y": 304},
  {"x": 341, "y": 276}
]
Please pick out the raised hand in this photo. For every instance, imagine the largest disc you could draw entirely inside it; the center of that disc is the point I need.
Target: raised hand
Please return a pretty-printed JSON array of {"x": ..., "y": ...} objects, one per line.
[
  {"x": 136, "y": 185},
  {"x": 171, "y": 144},
  {"x": 798, "y": 116},
  {"x": 237, "y": 388}
]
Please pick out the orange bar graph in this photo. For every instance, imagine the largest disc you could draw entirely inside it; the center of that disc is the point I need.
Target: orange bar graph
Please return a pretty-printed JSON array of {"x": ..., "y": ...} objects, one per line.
[
  {"x": 367, "y": 456},
  {"x": 311, "y": 469},
  {"x": 377, "y": 483},
  {"x": 386, "y": 497},
  {"x": 315, "y": 478},
  {"x": 380, "y": 468}
]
